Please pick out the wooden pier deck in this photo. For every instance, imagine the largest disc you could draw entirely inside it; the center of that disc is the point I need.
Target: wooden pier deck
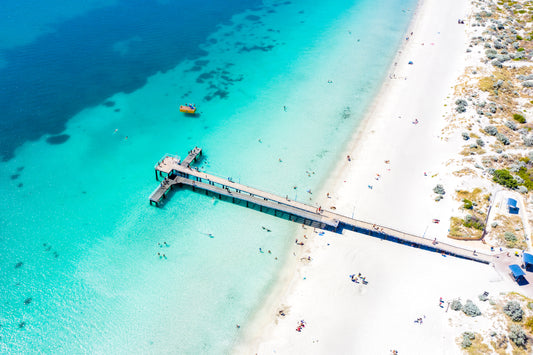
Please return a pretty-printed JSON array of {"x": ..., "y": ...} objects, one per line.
[
  {"x": 193, "y": 154},
  {"x": 180, "y": 173}
]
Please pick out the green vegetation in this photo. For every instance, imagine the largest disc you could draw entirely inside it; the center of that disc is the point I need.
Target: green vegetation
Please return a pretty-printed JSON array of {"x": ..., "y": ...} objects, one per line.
[
  {"x": 473, "y": 222},
  {"x": 518, "y": 37},
  {"x": 504, "y": 177},
  {"x": 526, "y": 175},
  {"x": 467, "y": 204},
  {"x": 518, "y": 117}
]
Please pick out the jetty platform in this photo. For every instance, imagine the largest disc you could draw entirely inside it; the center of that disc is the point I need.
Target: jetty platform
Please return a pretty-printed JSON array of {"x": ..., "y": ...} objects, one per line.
[{"x": 174, "y": 172}]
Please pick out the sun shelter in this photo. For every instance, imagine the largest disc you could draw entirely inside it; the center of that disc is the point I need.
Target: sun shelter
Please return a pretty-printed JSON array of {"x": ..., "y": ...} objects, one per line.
[
  {"x": 511, "y": 204},
  {"x": 517, "y": 272},
  {"x": 528, "y": 260}
]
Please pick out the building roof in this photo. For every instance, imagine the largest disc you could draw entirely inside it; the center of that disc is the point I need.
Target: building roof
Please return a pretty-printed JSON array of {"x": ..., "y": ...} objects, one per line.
[
  {"x": 517, "y": 271},
  {"x": 528, "y": 258},
  {"x": 511, "y": 202}
]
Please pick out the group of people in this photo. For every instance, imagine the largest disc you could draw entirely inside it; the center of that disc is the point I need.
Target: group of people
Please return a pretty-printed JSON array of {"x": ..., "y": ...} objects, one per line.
[
  {"x": 301, "y": 325},
  {"x": 356, "y": 278},
  {"x": 377, "y": 228},
  {"x": 161, "y": 245},
  {"x": 419, "y": 320}
]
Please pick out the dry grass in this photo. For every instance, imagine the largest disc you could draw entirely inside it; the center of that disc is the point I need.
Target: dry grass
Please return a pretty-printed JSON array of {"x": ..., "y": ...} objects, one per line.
[
  {"x": 478, "y": 347},
  {"x": 472, "y": 151},
  {"x": 509, "y": 224},
  {"x": 464, "y": 172},
  {"x": 459, "y": 231}
]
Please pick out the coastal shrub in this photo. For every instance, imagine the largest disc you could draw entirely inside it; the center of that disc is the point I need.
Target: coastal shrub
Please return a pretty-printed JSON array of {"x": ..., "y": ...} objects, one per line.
[
  {"x": 456, "y": 305},
  {"x": 492, "y": 109},
  {"x": 470, "y": 309},
  {"x": 491, "y": 53},
  {"x": 497, "y": 64},
  {"x": 494, "y": 224},
  {"x": 472, "y": 221},
  {"x": 461, "y": 105},
  {"x": 483, "y": 297},
  {"x": 528, "y": 84},
  {"x": 503, "y": 138},
  {"x": 528, "y": 141},
  {"x": 518, "y": 335},
  {"x": 513, "y": 309},
  {"x": 467, "y": 204},
  {"x": 465, "y": 135},
  {"x": 467, "y": 339},
  {"x": 491, "y": 130},
  {"x": 474, "y": 146},
  {"x": 503, "y": 58},
  {"x": 498, "y": 45},
  {"x": 504, "y": 177},
  {"x": 522, "y": 189},
  {"x": 526, "y": 177},
  {"x": 510, "y": 237},
  {"x": 517, "y": 166},
  {"x": 480, "y": 142},
  {"x": 439, "y": 189},
  {"x": 511, "y": 125},
  {"x": 519, "y": 118}
]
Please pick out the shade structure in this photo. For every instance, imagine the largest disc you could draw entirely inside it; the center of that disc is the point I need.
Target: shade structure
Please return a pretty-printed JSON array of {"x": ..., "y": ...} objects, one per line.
[
  {"x": 528, "y": 259},
  {"x": 511, "y": 204},
  {"x": 517, "y": 271}
]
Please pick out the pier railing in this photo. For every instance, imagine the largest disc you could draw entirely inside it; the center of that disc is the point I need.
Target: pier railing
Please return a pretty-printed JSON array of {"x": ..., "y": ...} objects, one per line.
[{"x": 179, "y": 173}]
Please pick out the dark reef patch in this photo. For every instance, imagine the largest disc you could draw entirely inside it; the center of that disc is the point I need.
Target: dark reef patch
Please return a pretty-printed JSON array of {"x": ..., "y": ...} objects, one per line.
[
  {"x": 19, "y": 265},
  {"x": 14, "y": 176},
  {"x": 58, "y": 139},
  {"x": 257, "y": 48},
  {"x": 28, "y": 300},
  {"x": 117, "y": 110},
  {"x": 77, "y": 65},
  {"x": 20, "y": 185},
  {"x": 109, "y": 103},
  {"x": 205, "y": 76},
  {"x": 202, "y": 62},
  {"x": 252, "y": 18},
  {"x": 195, "y": 68}
]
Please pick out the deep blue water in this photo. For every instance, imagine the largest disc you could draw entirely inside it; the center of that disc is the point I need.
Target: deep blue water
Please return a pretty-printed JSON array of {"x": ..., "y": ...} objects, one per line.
[{"x": 79, "y": 64}]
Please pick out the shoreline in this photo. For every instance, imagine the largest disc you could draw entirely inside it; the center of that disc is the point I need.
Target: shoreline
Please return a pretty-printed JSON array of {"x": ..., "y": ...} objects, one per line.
[
  {"x": 286, "y": 278},
  {"x": 368, "y": 177}
]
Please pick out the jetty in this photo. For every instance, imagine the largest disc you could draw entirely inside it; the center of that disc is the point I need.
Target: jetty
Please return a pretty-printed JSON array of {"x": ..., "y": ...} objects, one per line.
[{"x": 172, "y": 172}]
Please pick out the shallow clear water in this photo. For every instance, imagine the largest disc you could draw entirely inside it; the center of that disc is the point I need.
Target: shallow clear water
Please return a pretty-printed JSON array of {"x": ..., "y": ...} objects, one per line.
[{"x": 80, "y": 270}]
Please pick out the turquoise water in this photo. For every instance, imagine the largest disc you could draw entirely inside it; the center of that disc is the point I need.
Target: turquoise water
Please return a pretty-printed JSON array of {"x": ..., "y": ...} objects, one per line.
[{"x": 280, "y": 86}]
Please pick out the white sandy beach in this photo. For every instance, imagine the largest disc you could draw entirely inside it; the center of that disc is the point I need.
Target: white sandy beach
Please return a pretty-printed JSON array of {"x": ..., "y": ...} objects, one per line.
[{"x": 343, "y": 317}]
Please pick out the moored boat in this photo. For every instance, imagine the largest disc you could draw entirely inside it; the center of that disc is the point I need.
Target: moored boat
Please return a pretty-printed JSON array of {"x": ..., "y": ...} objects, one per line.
[{"x": 188, "y": 108}]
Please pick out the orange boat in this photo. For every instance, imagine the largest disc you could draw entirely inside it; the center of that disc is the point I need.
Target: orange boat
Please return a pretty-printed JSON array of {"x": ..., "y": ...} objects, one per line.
[{"x": 188, "y": 108}]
